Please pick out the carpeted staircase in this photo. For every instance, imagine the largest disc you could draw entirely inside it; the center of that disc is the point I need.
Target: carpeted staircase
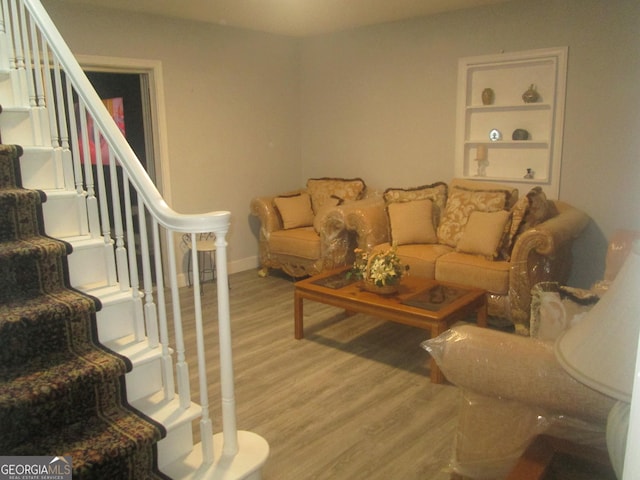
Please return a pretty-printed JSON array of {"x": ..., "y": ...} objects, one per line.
[{"x": 61, "y": 392}]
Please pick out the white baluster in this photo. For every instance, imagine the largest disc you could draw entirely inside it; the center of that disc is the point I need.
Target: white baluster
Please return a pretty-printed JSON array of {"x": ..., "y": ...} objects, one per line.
[
  {"x": 167, "y": 369},
  {"x": 150, "y": 315},
  {"x": 229, "y": 429},
  {"x": 206, "y": 430},
  {"x": 92, "y": 202},
  {"x": 138, "y": 322},
  {"x": 182, "y": 367}
]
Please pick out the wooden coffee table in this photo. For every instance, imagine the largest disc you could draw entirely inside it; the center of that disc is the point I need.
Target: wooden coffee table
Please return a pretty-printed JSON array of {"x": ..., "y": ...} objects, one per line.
[{"x": 419, "y": 302}]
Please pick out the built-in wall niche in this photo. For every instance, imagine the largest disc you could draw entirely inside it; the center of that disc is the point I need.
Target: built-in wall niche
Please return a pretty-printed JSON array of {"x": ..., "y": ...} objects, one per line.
[{"x": 491, "y": 108}]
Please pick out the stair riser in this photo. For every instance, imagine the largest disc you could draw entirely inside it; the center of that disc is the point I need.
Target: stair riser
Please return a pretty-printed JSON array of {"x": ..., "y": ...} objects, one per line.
[
  {"x": 177, "y": 443},
  {"x": 115, "y": 320},
  {"x": 62, "y": 216},
  {"x": 16, "y": 128},
  {"x": 6, "y": 92},
  {"x": 87, "y": 266},
  {"x": 144, "y": 380},
  {"x": 41, "y": 170}
]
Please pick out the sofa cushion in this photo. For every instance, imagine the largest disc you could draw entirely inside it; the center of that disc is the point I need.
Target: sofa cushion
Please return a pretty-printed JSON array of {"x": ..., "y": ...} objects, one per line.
[
  {"x": 460, "y": 204},
  {"x": 295, "y": 210},
  {"x": 474, "y": 271},
  {"x": 436, "y": 192},
  {"x": 421, "y": 258},
  {"x": 334, "y": 191},
  {"x": 298, "y": 242},
  {"x": 411, "y": 222},
  {"x": 483, "y": 233}
]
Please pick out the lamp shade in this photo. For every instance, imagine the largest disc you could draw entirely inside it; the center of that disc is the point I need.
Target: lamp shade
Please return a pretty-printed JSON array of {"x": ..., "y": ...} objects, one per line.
[{"x": 600, "y": 351}]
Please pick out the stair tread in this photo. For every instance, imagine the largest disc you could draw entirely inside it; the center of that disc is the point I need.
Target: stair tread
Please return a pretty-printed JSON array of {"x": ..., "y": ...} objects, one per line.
[
  {"x": 138, "y": 352},
  {"x": 167, "y": 412}
]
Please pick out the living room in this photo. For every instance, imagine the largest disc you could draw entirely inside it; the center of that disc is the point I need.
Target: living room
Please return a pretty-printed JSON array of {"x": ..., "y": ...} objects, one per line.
[
  {"x": 274, "y": 110},
  {"x": 252, "y": 113}
]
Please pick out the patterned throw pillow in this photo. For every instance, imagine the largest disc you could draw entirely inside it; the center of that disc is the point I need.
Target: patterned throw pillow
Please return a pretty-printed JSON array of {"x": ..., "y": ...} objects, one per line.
[
  {"x": 518, "y": 212},
  {"x": 295, "y": 210},
  {"x": 460, "y": 204},
  {"x": 334, "y": 191},
  {"x": 411, "y": 222},
  {"x": 436, "y": 192}
]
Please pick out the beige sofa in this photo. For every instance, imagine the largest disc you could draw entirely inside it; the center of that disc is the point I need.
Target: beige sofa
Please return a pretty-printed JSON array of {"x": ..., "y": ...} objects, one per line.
[
  {"x": 302, "y": 232},
  {"x": 474, "y": 233}
]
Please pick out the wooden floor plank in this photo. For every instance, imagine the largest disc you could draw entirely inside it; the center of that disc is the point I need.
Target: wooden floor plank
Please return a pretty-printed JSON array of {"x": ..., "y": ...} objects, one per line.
[{"x": 352, "y": 400}]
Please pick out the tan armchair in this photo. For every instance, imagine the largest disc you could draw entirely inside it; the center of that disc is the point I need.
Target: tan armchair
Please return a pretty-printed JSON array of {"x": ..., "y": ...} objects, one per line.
[{"x": 302, "y": 232}]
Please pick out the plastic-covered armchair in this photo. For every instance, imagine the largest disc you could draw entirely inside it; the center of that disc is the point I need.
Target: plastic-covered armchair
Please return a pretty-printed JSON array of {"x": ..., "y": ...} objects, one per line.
[
  {"x": 513, "y": 388},
  {"x": 303, "y": 232}
]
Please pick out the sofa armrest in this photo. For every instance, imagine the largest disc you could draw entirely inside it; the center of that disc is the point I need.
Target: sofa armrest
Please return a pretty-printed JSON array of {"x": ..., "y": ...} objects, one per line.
[
  {"x": 547, "y": 237},
  {"x": 265, "y": 210},
  {"x": 542, "y": 254},
  {"x": 517, "y": 368},
  {"x": 368, "y": 220}
]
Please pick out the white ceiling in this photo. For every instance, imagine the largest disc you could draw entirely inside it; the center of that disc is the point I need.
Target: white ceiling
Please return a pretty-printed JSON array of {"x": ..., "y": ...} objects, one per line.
[{"x": 291, "y": 17}]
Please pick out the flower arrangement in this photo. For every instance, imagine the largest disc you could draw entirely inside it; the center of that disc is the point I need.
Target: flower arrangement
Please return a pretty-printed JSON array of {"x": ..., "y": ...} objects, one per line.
[{"x": 381, "y": 269}]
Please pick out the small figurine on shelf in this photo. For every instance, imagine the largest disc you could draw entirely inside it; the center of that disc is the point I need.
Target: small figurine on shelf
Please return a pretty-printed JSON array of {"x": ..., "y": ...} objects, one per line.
[
  {"x": 481, "y": 158},
  {"x": 530, "y": 174}
]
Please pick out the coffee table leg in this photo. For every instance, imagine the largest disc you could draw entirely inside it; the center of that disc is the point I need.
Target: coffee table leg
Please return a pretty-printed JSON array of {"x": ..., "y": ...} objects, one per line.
[
  {"x": 436, "y": 374},
  {"x": 298, "y": 328},
  {"x": 481, "y": 317}
]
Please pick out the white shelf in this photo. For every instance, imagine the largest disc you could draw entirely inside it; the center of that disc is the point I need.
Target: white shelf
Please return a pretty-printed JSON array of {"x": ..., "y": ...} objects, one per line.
[
  {"x": 505, "y": 108},
  {"x": 509, "y": 75}
]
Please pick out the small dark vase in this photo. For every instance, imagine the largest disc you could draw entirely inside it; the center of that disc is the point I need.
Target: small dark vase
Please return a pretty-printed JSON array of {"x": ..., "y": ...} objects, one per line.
[
  {"x": 531, "y": 95},
  {"x": 487, "y": 96}
]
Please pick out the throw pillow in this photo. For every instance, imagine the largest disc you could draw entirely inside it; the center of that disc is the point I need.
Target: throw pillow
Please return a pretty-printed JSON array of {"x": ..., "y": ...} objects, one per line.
[
  {"x": 411, "y": 222},
  {"x": 333, "y": 191},
  {"x": 295, "y": 210},
  {"x": 460, "y": 204},
  {"x": 539, "y": 209},
  {"x": 518, "y": 212},
  {"x": 436, "y": 192},
  {"x": 483, "y": 233}
]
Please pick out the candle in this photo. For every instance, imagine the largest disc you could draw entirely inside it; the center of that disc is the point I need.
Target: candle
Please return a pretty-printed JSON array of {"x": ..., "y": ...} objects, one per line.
[{"x": 481, "y": 152}]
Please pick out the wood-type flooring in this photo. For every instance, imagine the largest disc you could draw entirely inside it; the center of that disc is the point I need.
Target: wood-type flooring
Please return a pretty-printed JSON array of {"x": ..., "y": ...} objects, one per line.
[{"x": 350, "y": 401}]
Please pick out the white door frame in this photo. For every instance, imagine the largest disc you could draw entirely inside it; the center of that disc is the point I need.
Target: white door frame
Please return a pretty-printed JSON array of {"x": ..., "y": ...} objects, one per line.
[{"x": 153, "y": 70}]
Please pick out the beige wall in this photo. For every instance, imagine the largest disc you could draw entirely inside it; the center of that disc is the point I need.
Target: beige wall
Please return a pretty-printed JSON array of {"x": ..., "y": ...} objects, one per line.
[
  {"x": 251, "y": 113},
  {"x": 379, "y": 102}
]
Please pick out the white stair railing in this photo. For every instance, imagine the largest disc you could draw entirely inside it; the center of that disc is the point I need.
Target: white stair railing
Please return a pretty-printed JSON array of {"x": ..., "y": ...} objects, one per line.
[{"x": 70, "y": 117}]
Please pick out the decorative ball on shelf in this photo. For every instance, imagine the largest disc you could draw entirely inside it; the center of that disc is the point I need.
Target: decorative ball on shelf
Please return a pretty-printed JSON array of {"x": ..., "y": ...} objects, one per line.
[
  {"x": 520, "y": 134},
  {"x": 531, "y": 95}
]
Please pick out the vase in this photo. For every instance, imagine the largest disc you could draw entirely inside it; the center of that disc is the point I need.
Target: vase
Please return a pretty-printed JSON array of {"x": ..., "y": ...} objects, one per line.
[
  {"x": 487, "y": 96},
  {"x": 380, "y": 290},
  {"x": 531, "y": 95}
]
